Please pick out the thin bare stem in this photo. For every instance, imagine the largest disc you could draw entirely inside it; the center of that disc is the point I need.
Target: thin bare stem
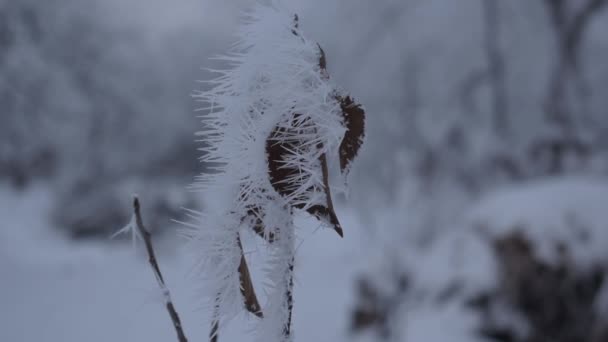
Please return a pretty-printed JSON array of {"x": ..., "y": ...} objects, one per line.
[
  {"x": 215, "y": 322},
  {"x": 146, "y": 236},
  {"x": 289, "y": 297},
  {"x": 496, "y": 65}
]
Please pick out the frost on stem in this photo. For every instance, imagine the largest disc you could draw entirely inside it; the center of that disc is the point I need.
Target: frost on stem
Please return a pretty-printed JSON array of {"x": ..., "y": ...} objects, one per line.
[
  {"x": 138, "y": 231},
  {"x": 273, "y": 122}
]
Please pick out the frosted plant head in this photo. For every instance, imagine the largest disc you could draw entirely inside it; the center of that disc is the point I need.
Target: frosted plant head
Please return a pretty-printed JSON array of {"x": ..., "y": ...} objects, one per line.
[
  {"x": 274, "y": 116},
  {"x": 273, "y": 119}
]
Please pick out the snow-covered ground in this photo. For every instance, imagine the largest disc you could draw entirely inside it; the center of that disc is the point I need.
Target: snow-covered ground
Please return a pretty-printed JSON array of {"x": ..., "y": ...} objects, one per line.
[
  {"x": 53, "y": 289},
  {"x": 565, "y": 211},
  {"x": 571, "y": 210},
  {"x": 461, "y": 262}
]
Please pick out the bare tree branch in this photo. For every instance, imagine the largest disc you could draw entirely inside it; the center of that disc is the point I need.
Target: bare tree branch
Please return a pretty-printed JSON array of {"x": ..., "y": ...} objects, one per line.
[
  {"x": 145, "y": 235},
  {"x": 570, "y": 30},
  {"x": 215, "y": 322},
  {"x": 496, "y": 65}
]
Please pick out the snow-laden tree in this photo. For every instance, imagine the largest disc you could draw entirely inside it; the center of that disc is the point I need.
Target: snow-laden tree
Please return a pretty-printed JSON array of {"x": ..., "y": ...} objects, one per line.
[
  {"x": 463, "y": 95},
  {"x": 75, "y": 91},
  {"x": 274, "y": 123}
]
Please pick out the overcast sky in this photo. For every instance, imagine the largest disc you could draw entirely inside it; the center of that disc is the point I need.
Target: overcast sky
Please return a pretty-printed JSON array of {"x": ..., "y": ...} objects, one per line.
[{"x": 167, "y": 15}]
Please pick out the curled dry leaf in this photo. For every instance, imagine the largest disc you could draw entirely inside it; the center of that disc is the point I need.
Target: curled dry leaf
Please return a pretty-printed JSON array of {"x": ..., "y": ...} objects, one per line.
[
  {"x": 327, "y": 213},
  {"x": 254, "y": 215},
  {"x": 322, "y": 63},
  {"x": 247, "y": 290},
  {"x": 354, "y": 119},
  {"x": 282, "y": 175},
  {"x": 322, "y": 58},
  {"x": 278, "y": 151},
  {"x": 296, "y": 24}
]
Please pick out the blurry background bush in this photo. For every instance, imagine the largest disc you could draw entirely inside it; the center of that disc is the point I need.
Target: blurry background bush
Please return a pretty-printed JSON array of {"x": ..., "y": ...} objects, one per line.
[
  {"x": 464, "y": 96},
  {"x": 89, "y": 101}
]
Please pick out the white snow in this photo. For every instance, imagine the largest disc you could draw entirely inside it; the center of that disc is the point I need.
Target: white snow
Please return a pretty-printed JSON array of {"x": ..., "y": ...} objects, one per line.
[
  {"x": 53, "y": 289},
  {"x": 572, "y": 211}
]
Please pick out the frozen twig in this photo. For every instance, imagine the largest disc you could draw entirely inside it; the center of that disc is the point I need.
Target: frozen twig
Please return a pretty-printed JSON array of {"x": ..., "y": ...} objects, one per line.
[
  {"x": 215, "y": 323},
  {"x": 289, "y": 298},
  {"x": 145, "y": 235}
]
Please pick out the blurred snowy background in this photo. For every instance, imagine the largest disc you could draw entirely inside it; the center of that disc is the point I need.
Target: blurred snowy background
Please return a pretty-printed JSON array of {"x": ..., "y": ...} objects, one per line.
[{"x": 478, "y": 210}]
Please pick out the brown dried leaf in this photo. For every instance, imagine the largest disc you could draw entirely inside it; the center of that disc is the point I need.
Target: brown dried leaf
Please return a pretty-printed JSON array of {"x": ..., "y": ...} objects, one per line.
[
  {"x": 322, "y": 58},
  {"x": 279, "y": 174},
  {"x": 354, "y": 119},
  {"x": 247, "y": 290},
  {"x": 277, "y": 152},
  {"x": 254, "y": 213},
  {"x": 322, "y": 63},
  {"x": 295, "y": 25},
  {"x": 327, "y": 212}
]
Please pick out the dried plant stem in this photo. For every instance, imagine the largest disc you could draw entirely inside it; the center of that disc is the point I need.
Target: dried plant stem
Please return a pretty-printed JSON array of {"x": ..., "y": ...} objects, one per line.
[
  {"x": 289, "y": 298},
  {"x": 215, "y": 322},
  {"x": 146, "y": 236},
  {"x": 288, "y": 250},
  {"x": 250, "y": 299}
]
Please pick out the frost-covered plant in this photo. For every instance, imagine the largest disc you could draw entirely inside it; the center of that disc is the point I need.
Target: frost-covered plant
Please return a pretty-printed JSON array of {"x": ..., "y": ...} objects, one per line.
[{"x": 274, "y": 120}]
